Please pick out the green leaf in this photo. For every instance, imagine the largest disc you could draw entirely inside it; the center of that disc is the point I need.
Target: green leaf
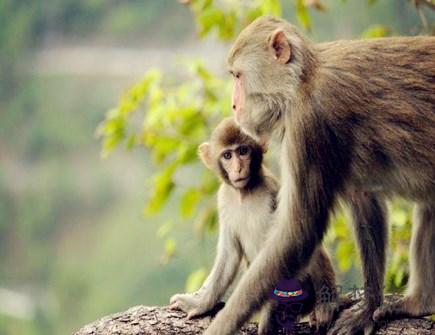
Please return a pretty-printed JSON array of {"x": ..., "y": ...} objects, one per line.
[
  {"x": 201, "y": 5},
  {"x": 164, "y": 146},
  {"x": 345, "y": 253},
  {"x": 271, "y": 7},
  {"x": 253, "y": 14},
  {"x": 399, "y": 218},
  {"x": 113, "y": 128},
  {"x": 165, "y": 229},
  {"x": 210, "y": 18},
  {"x": 131, "y": 141},
  {"x": 170, "y": 247},
  {"x": 110, "y": 143},
  {"x": 302, "y": 14},
  {"x": 399, "y": 277},
  {"x": 376, "y": 31},
  {"x": 210, "y": 183},
  {"x": 189, "y": 200},
  {"x": 163, "y": 186},
  {"x": 227, "y": 29},
  {"x": 195, "y": 280},
  {"x": 207, "y": 219},
  {"x": 187, "y": 154}
]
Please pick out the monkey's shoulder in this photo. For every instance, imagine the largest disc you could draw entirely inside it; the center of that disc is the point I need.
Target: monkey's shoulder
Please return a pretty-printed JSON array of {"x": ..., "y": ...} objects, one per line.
[{"x": 270, "y": 181}]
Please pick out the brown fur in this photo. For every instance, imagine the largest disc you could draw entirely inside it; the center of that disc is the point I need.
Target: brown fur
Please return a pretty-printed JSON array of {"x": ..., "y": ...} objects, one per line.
[
  {"x": 354, "y": 118},
  {"x": 228, "y": 134}
]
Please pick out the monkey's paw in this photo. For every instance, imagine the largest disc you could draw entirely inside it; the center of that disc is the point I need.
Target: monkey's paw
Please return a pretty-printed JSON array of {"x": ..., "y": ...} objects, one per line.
[
  {"x": 355, "y": 320},
  {"x": 322, "y": 316},
  {"x": 192, "y": 304},
  {"x": 267, "y": 326},
  {"x": 403, "y": 307}
]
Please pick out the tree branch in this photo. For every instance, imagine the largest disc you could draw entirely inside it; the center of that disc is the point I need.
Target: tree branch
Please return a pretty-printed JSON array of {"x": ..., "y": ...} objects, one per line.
[{"x": 143, "y": 320}]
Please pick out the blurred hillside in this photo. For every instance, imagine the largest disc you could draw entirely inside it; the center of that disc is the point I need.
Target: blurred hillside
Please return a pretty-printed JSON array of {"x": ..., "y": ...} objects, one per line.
[
  {"x": 73, "y": 241},
  {"x": 74, "y": 244}
]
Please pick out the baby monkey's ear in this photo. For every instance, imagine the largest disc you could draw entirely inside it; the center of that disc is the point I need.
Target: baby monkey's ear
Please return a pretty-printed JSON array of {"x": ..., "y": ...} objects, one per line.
[
  {"x": 264, "y": 143},
  {"x": 205, "y": 154}
]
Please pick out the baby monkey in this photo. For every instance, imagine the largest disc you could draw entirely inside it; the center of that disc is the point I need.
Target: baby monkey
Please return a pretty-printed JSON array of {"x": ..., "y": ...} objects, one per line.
[{"x": 247, "y": 199}]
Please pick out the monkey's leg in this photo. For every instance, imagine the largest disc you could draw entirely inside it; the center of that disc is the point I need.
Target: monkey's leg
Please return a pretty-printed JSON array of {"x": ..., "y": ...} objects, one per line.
[
  {"x": 420, "y": 297},
  {"x": 224, "y": 270},
  {"x": 369, "y": 218},
  {"x": 322, "y": 273},
  {"x": 281, "y": 254},
  {"x": 267, "y": 325}
]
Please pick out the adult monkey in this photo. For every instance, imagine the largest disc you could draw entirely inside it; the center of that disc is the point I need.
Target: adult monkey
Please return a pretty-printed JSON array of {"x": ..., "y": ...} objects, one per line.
[{"x": 356, "y": 120}]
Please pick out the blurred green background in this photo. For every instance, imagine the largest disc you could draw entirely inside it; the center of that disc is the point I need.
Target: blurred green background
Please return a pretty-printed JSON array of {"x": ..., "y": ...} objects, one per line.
[{"x": 81, "y": 77}]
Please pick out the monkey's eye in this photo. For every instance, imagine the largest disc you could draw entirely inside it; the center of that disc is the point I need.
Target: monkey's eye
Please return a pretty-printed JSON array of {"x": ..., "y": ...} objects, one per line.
[
  {"x": 235, "y": 74},
  {"x": 243, "y": 150},
  {"x": 227, "y": 155}
]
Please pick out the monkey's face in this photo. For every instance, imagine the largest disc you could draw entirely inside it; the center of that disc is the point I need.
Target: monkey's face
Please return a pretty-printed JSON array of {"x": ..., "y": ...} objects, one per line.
[
  {"x": 233, "y": 155},
  {"x": 265, "y": 62},
  {"x": 254, "y": 110},
  {"x": 235, "y": 165}
]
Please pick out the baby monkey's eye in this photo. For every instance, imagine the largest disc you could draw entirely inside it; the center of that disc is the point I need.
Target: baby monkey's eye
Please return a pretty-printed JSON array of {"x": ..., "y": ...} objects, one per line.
[
  {"x": 243, "y": 150},
  {"x": 227, "y": 155}
]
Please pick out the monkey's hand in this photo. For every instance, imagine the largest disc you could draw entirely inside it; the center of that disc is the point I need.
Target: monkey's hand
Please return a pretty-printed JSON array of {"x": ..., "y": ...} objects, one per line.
[
  {"x": 322, "y": 316},
  {"x": 355, "y": 320},
  {"x": 194, "y": 304}
]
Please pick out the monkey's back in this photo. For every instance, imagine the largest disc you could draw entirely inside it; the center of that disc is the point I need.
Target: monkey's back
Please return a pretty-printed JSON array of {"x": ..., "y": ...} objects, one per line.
[{"x": 380, "y": 94}]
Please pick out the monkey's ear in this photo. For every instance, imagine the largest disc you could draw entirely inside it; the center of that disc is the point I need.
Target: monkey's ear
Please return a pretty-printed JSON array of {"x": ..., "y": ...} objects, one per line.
[
  {"x": 264, "y": 143},
  {"x": 205, "y": 154},
  {"x": 280, "y": 46}
]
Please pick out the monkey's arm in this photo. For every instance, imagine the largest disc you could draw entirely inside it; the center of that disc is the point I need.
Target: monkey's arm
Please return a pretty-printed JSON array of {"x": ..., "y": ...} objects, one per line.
[
  {"x": 370, "y": 224},
  {"x": 220, "y": 278},
  {"x": 327, "y": 305}
]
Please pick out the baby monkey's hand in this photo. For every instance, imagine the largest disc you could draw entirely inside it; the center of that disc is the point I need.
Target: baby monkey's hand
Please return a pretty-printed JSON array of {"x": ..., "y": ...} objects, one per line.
[{"x": 194, "y": 304}]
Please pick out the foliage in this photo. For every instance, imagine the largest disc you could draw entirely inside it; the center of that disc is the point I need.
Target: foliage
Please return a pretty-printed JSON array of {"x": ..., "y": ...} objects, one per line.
[
  {"x": 175, "y": 119},
  {"x": 54, "y": 191}
]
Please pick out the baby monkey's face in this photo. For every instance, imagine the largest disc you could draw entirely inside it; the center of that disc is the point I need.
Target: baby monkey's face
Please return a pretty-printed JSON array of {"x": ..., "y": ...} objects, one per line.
[{"x": 236, "y": 161}]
